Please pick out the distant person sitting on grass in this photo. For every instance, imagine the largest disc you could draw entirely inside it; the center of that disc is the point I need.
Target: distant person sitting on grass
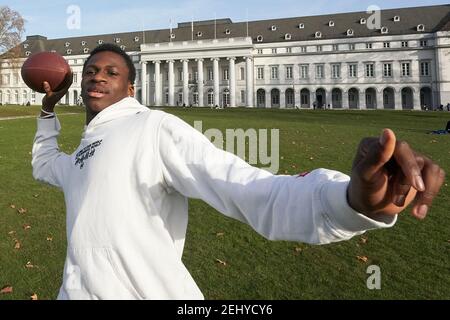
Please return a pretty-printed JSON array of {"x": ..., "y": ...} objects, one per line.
[{"x": 126, "y": 188}]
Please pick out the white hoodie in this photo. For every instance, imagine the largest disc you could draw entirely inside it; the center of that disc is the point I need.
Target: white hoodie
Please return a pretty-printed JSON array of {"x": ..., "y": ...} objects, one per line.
[{"x": 126, "y": 190}]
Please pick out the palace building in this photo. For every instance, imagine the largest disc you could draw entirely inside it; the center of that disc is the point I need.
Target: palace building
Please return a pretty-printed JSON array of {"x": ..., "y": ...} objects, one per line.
[{"x": 340, "y": 61}]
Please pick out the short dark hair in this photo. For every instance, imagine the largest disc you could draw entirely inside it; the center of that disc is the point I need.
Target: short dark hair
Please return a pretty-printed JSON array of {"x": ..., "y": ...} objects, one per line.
[{"x": 116, "y": 49}]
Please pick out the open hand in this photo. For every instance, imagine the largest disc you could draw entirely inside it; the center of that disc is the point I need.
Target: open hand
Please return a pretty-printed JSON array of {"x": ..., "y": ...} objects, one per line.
[{"x": 387, "y": 176}]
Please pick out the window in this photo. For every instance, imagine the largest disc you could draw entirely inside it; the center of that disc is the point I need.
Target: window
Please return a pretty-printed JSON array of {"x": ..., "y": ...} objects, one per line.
[
  {"x": 301, "y": 26},
  {"x": 242, "y": 73},
  {"x": 363, "y": 21},
  {"x": 369, "y": 45},
  {"x": 303, "y": 49},
  {"x": 289, "y": 74},
  {"x": 370, "y": 70},
  {"x": 274, "y": 50},
  {"x": 318, "y": 34},
  {"x": 210, "y": 97},
  {"x": 425, "y": 69},
  {"x": 25, "y": 45},
  {"x": 320, "y": 71},
  {"x": 117, "y": 40},
  {"x": 100, "y": 41},
  {"x": 199, "y": 34},
  {"x": 259, "y": 38},
  {"x": 180, "y": 74},
  {"x": 386, "y": 44},
  {"x": 274, "y": 73},
  {"x": 69, "y": 51},
  {"x": 331, "y": 24},
  {"x": 27, "y": 53},
  {"x": 387, "y": 70},
  {"x": 289, "y": 50},
  {"x": 260, "y": 51},
  {"x": 167, "y": 76},
  {"x": 172, "y": 36},
  {"x": 227, "y": 31},
  {"x": 83, "y": 43},
  {"x": 226, "y": 74},
  {"x": 195, "y": 75},
  {"x": 136, "y": 39},
  {"x": 86, "y": 50},
  {"x": 273, "y": 28},
  {"x": 405, "y": 44},
  {"x": 384, "y": 30},
  {"x": 397, "y": 19},
  {"x": 75, "y": 78},
  {"x": 243, "y": 96},
  {"x": 423, "y": 43},
  {"x": 210, "y": 74},
  {"x": 353, "y": 70},
  {"x": 287, "y": 36},
  {"x": 319, "y": 48},
  {"x": 351, "y": 47},
  {"x": 67, "y": 44},
  {"x": 335, "y": 71},
  {"x": 421, "y": 28},
  {"x": 123, "y": 47},
  {"x": 335, "y": 47},
  {"x": 260, "y": 73},
  {"x": 350, "y": 32},
  {"x": 304, "y": 71},
  {"x": 406, "y": 69}
]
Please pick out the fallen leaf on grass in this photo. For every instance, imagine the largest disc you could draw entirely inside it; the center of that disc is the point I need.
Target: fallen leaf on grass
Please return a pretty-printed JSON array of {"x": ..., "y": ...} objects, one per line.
[
  {"x": 36, "y": 195},
  {"x": 11, "y": 233},
  {"x": 29, "y": 265},
  {"x": 17, "y": 245},
  {"x": 22, "y": 210},
  {"x": 220, "y": 234},
  {"x": 26, "y": 227},
  {"x": 311, "y": 158},
  {"x": 49, "y": 239},
  {"x": 6, "y": 289},
  {"x": 221, "y": 262},
  {"x": 34, "y": 297},
  {"x": 363, "y": 240},
  {"x": 298, "y": 249},
  {"x": 12, "y": 206},
  {"x": 363, "y": 258}
]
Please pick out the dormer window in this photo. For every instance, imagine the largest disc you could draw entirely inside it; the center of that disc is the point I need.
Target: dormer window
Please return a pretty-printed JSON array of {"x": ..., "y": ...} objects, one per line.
[
  {"x": 331, "y": 23},
  {"x": 172, "y": 36},
  {"x": 301, "y": 26},
  {"x": 27, "y": 53},
  {"x": 83, "y": 43},
  {"x": 363, "y": 21},
  {"x": 384, "y": 30},
  {"x": 227, "y": 31},
  {"x": 287, "y": 36},
  {"x": 421, "y": 28},
  {"x": 86, "y": 50},
  {"x": 117, "y": 40},
  {"x": 122, "y": 47},
  {"x": 397, "y": 19},
  {"x": 25, "y": 45},
  {"x": 136, "y": 39},
  {"x": 199, "y": 34},
  {"x": 273, "y": 28},
  {"x": 318, "y": 35},
  {"x": 350, "y": 32},
  {"x": 100, "y": 41},
  {"x": 259, "y": 38},
  {"x": 69, "y": 51},
  {"x": 67, "y": 44}
]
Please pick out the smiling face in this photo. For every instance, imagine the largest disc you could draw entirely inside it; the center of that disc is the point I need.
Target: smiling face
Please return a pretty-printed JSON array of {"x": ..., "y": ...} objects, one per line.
[{"x": 105, "y": 82}]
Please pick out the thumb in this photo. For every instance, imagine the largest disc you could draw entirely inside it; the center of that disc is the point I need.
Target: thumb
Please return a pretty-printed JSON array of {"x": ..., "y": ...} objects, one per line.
[{"x": 379, "y": 154}]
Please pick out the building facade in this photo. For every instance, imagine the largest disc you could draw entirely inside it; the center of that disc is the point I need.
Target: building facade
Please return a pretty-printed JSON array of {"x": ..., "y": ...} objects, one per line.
[{"x": 395, "y": 59}]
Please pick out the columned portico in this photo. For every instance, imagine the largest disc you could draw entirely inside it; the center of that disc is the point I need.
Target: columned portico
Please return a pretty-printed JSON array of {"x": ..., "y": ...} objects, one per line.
[
  {"x": 158, "y": 88},
  {"x": 232, "y": 71},
  {"x": 185, "y": 82},
  {"x": 200, "y": 82},
  {"x": 144, "y": 82},
  {"x": 171, "y": 83},
  {"x": 216, "y": 81},
  {"x": 249, "y": 81}
]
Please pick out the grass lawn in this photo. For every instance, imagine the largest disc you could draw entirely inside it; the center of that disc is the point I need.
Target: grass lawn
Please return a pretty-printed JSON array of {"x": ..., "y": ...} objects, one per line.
[{"x": 414, "y": 256}]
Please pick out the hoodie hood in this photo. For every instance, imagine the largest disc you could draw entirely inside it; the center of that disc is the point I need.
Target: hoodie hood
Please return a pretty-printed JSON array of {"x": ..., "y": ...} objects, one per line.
[{"x": 126, "y": 106}]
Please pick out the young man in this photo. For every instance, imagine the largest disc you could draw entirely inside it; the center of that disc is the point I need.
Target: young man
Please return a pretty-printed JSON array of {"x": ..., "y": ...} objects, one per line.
[{"x": 127, "y": 184}]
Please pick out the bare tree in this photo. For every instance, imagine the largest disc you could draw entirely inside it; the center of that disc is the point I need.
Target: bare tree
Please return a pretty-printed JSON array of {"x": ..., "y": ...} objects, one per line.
[{"x": 12, "y": 26}]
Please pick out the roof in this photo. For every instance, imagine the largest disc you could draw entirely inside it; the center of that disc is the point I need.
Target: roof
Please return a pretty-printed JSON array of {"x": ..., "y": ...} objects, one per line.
[{"x": 434, "y": 18}]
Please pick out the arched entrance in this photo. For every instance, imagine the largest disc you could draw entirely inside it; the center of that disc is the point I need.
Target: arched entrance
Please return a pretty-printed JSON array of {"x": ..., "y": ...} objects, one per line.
[
  {"x": 336, "y": 98},
  {"x": 304, "y": 98},
  {"x": 321, "y": 99},
  {"x": 261, "y": 98},
  {"x": 226, "y": 98},
  {"x": 407, "y": 99},
  {"x": 371, "y": 98},
  {"x": 275, "y": 98},
  {"x": 353, "y": 98},
  {"x": 290, "y": 98},
  {"x": 388, "y": 98},
  {"x": 426, "y": 101}
]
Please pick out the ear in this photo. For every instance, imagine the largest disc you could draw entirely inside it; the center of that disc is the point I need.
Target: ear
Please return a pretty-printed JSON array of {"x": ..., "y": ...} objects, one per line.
[{"x": 130, "y": 90}]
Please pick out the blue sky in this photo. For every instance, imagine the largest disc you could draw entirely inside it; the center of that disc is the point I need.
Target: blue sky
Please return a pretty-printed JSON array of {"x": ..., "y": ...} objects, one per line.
[{"x": 49, "y": 18}]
